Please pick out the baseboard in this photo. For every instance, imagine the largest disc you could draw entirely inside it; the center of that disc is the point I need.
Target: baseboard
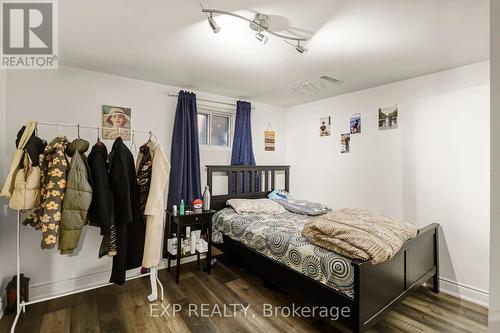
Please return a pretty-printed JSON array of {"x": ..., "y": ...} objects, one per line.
[
  {"x": 465, "y": 292},
  {"x": 93, "y": 280}
]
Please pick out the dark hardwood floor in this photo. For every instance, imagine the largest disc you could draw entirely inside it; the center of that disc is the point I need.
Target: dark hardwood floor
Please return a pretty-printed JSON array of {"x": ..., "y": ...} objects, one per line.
[{"x": 126, "y": 309}]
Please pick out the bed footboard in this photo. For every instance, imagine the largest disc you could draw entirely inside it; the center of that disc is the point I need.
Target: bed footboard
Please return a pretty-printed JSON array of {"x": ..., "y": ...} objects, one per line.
[{"x": 378, "y": 288}]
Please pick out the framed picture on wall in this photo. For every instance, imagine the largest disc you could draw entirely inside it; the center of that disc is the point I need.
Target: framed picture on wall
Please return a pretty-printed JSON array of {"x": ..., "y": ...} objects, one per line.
[
  {"x": 116, "y": 121},
  {"x": 355, "y": 123},
  {"x": 325, "y": 125},
  {"x": 345, "y": 140},
  {"x": 388, "y": 117}
]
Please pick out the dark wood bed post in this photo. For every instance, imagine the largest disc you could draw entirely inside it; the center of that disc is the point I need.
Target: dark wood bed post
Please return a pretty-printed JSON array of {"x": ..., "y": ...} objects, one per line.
[
  {"x": 377, "y": 288},
  {"x": 435, "y": 279}
]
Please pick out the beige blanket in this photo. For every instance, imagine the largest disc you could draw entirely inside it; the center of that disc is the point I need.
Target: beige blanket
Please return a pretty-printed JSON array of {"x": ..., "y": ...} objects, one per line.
[{"x": 359, "y": 234}]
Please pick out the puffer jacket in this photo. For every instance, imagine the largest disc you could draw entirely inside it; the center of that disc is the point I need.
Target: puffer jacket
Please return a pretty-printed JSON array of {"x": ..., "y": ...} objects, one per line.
[
  {"x": 77, "y": 198},
  {"x": 23, "y": 137},
  {"x": 54, "y": 166},
  {"x": 26, "y": 192}
]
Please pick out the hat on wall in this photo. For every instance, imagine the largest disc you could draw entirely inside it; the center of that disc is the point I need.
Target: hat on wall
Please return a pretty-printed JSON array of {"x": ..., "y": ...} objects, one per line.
[{"x": 116, "y": 111}]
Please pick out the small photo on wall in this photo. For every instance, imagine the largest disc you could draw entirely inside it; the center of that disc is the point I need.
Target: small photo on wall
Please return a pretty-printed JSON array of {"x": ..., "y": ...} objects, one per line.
[
  {"x": 325, "y": 126},
  {"x": 388, "y": 117},
  {"x": 345, "y": 140},
  {"x": 355, "y": 123},
  {"x": 116, "y": 121}
]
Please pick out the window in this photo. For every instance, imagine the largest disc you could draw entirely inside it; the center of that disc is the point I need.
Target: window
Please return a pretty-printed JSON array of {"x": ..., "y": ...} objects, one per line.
[
  {"x": 203, "y": 129},
  {"x": 214, "y": 128}
]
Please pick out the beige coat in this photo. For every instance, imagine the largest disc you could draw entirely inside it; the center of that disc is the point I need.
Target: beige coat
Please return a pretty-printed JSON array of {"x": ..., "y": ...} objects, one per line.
[
  {"x": 8, "y": 187},
  {"x": 26, "y": 192},
  {"x": 155, "y": 207}
]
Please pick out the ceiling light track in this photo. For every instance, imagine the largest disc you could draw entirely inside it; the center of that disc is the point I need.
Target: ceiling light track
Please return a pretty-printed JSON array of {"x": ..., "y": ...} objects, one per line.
[{"x": 261, "y": 24}]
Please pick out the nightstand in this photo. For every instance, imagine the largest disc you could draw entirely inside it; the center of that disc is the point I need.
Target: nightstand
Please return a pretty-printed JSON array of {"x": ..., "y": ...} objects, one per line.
[{"x": 177, "y": 223}]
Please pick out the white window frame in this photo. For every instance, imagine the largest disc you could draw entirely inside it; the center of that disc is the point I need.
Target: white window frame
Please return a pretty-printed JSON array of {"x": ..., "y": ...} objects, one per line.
[{"x": 210, "y": 113}]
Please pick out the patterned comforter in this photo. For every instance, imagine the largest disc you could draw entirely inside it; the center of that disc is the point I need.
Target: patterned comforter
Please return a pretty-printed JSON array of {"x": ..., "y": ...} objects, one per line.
[{"x": 279, "y": 237}]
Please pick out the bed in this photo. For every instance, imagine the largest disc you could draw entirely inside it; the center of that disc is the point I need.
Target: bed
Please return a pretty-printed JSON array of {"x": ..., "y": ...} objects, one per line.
[{"x": 272, "y": 247}]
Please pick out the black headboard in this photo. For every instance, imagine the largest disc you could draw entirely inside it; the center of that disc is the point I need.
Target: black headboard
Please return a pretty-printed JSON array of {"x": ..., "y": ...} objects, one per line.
[{"x": 258, "y": 181}]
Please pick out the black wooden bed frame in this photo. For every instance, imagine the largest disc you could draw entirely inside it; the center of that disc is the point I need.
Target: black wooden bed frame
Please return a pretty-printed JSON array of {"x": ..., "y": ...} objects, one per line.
[{"x": 377, "y": 288}]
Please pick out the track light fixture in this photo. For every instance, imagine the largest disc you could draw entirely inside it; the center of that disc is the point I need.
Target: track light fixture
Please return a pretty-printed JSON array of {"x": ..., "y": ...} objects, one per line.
[
  {"x": 298, "y": 47},
  {"x": 260, "y": 23},
  {"x": 215, "y": 27},
  {"x": 261, "y": 37}
]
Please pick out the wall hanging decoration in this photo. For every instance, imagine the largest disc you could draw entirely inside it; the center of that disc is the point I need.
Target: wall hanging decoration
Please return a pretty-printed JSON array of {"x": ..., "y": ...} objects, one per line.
[
  {"x": 345, "y": 140},
  {"x": 269, "y": 139},
  {"x": 388, "y": 117},
  {"x": 116, "y": 121},
  {"x": 355, "y": 123},
  {"x": 325, "y": 126}
]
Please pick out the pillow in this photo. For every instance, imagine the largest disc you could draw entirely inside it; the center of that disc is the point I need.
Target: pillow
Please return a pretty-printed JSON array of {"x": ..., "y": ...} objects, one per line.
[
  {"x": 259, "y": 206},
  {"x": 304, "y": 207},
  {"x": 279, "y": 194}
]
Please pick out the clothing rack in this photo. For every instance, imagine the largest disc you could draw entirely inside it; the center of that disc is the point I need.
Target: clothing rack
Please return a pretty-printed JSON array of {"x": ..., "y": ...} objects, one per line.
[
  {"x": 98, "y": 128},
  {"x": 209, "y": 101},
  {"x": 21, "y": 306}
]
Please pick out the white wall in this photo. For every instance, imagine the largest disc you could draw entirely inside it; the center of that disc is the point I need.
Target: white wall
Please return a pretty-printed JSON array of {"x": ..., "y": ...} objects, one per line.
[
  {"x": 494, "y": 315},
  {"x": 433, "y": 168},
  {"x": 75, "y": 96}
]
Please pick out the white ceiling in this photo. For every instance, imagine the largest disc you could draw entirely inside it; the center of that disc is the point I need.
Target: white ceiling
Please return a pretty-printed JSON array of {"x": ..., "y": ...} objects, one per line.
[{"x": 363, "y": 43}]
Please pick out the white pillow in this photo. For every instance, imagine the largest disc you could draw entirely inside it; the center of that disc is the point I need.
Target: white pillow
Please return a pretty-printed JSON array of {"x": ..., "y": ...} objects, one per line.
[{"x": 259, "y": 206}]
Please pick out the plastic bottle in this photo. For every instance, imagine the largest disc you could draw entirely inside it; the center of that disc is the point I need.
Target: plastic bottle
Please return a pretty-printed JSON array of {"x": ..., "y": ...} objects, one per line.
[
  {"x": 182, "y": 208},
  {"x": 206, "y": 199}
]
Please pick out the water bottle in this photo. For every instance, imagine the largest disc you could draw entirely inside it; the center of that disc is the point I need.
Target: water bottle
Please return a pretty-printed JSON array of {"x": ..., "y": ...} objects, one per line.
[
  {"x": 182, "y": 208},
  {"x": 206, "y": 199}
]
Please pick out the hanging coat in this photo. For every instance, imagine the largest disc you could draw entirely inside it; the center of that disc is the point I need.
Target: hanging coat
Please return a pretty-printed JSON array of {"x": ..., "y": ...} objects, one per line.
[
  {"x": 101, "y": 210},
  {"x": 27, "y": 131},
  {"x": 144, "y": 169},
  {"x": 77, "y": 198},
  {"x": 130, "y": 228},
  {"x": 54, "y": 170},
  {"x": 155, "y": 206},
  {"x": 26, "y": 192}
]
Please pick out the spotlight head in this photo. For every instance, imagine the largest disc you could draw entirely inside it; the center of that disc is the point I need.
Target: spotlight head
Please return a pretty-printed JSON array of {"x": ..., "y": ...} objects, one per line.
[
  {"x": 213, "y": 24},
  {"x": 261, "y": 37},
  {"x": 300, "y": 48}
]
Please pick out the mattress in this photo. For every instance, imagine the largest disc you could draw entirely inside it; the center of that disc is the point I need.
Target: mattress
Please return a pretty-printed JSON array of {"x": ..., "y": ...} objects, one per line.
[{"x": 278, "y": 237}]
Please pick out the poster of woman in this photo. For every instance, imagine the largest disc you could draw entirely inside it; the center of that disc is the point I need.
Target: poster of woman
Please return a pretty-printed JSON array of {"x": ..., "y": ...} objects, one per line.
[{"x": 116, "y": 121}]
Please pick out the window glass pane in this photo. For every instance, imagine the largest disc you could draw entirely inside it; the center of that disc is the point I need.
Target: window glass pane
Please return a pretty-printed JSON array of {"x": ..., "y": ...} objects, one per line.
[
  {"x": 220, "y": 130},
  {"x": 202, "y": 129}
]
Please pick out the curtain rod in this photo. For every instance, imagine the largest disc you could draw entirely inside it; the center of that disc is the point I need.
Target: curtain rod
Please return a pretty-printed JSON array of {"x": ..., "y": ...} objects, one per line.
[
  {"x": 207, "y": 100},
  {"x": 97, "y": 128}
]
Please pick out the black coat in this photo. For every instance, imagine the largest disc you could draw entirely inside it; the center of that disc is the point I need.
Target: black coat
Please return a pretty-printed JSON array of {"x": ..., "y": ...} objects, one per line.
[
  {"x": 130, "y": 227},
  {"x": 101, "y": 211}
]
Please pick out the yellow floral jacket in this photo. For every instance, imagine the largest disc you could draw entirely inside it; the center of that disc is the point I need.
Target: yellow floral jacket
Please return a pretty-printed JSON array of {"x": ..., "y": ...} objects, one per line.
[{"x": 54, "y": 167}]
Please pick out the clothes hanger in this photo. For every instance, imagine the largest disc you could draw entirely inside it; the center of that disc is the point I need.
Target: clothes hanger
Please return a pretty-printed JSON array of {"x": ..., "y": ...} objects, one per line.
[
  {"x": 99, "y": 142},
  {"x": 133, "y": 145},
  {"x": 78, "y": 130}
]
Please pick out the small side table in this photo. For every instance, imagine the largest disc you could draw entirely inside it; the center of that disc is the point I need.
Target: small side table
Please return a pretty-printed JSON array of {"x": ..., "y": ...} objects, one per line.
[{"x": 203, "y": 219}]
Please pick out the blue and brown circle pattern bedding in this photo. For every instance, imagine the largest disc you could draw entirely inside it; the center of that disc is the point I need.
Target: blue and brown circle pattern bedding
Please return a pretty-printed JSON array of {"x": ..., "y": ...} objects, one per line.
[{"x": 278, "y": 236}]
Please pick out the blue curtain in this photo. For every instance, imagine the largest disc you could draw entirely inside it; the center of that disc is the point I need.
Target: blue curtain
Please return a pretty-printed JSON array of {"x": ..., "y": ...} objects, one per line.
[
  {"x": 242, "y": 153},
  {"x": 185, "y": 180}
]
